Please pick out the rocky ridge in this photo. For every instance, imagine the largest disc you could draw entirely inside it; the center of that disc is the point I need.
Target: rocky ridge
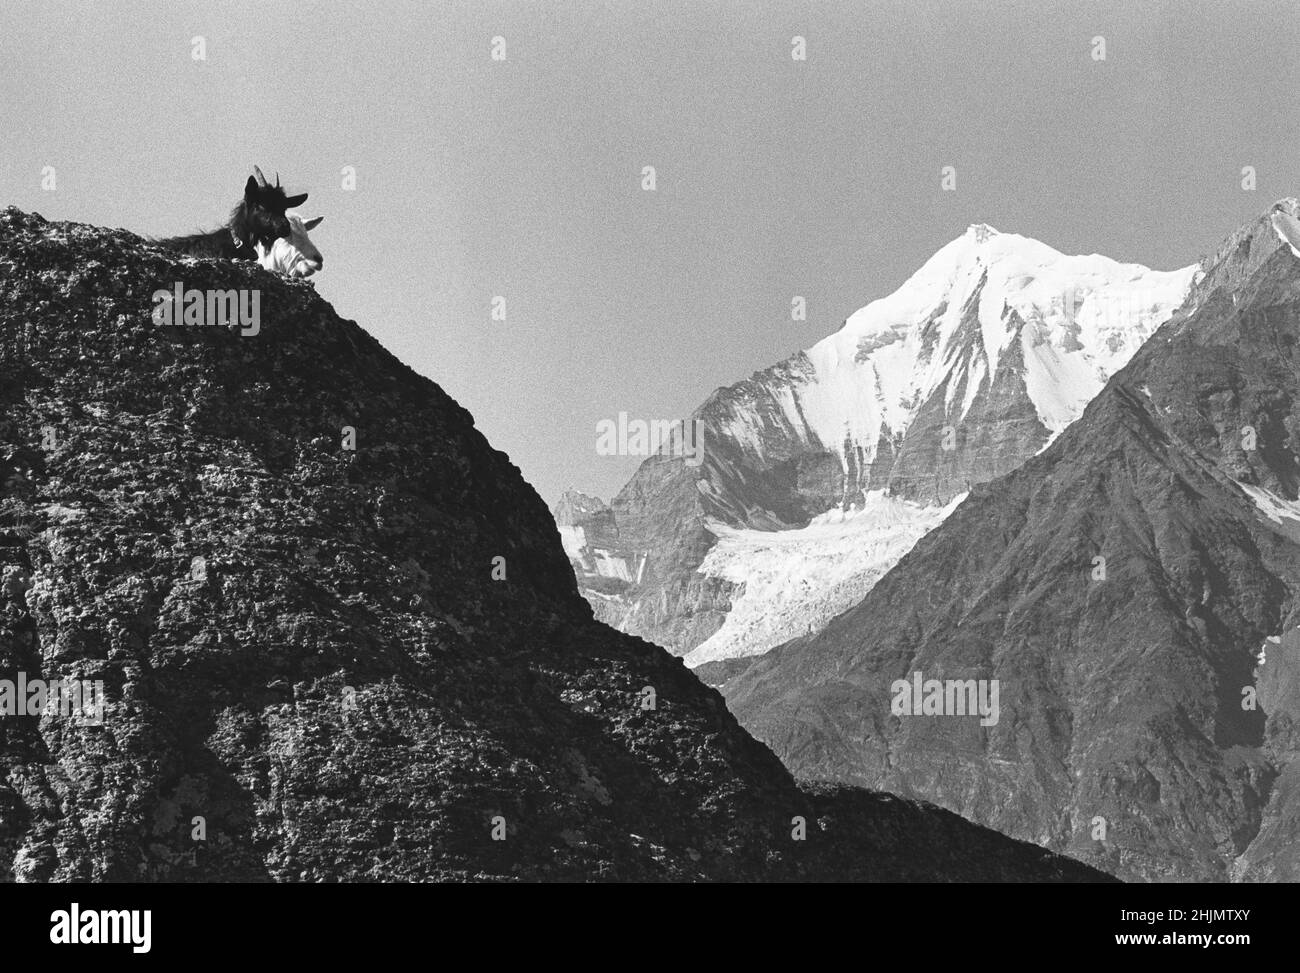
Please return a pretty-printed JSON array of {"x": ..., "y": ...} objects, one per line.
[{"x": 337, "y": 632}]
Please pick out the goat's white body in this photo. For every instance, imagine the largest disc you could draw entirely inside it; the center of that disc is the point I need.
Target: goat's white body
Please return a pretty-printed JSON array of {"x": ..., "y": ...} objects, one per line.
[{"x": 294, "y": 255}]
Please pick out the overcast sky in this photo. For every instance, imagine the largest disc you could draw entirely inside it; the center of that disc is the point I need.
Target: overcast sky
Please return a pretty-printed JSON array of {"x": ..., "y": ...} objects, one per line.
[{"x": 522, "y": 178}]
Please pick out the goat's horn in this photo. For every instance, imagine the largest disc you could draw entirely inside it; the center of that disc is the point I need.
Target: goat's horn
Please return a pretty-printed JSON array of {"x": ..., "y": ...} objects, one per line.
[
  {"x": 277, "y": 179},
  {"x": 261, "y": 179}
]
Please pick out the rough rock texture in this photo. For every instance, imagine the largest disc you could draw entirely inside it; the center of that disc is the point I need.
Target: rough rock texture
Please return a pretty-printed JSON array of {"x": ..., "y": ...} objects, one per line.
[
  {"x": 1125, "y": 693},
  {"x": 312, "y": 648}
]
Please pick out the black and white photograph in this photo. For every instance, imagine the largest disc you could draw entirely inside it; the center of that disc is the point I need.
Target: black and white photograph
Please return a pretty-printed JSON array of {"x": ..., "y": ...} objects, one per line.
[{"x": 804, "y": 443}]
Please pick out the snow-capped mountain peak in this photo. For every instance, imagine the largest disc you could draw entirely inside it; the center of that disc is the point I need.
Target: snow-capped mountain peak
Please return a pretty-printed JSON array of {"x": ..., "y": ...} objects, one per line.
[
  {"x": 821, "y": 471},
  {"x": 952, "y": 324}
]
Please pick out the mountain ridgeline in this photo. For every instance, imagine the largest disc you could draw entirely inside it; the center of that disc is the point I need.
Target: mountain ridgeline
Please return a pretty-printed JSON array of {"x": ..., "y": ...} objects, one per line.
[
  {"x": 1133, "y": 590},
  {"x": 337, "y": 635},
  {"x": 960, "y": 375}
]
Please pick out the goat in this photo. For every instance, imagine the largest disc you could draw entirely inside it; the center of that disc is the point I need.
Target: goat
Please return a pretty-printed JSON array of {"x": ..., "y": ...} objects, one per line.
[
  {"x": 258, "y": 219},
  {"x": 294, "y": 255}
]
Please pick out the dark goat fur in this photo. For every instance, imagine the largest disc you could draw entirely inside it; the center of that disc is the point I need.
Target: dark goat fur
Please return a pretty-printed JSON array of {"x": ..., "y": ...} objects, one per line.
[{"x": 258, "y": 218}]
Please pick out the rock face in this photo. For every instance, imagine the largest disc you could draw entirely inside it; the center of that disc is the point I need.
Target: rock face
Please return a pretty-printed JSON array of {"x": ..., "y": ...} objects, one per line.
[
  {"x": 336, "y": 631},
  {"x": 992, "y": 348},
  {"x": 1133, "y": 590}
]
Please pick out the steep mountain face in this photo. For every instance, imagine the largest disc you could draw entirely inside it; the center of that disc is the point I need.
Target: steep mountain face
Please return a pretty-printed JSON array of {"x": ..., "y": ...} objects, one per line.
[
  {"x": 1132, "y": 590},
  {"x": 336, "y": 632},
  {"x": 992, "y": 348}
]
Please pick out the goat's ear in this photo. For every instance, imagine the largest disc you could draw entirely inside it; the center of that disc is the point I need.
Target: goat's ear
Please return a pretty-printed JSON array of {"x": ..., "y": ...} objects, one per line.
[
  {"x": 312, "y": 224},
  {"x": 250, "y": 190},
  {"x": 293, "y": 201}
]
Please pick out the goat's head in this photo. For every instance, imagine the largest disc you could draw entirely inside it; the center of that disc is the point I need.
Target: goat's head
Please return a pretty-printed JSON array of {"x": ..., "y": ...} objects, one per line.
[
  {"x": 260, "y": 217},
  {"x": 294, "y": 255}
]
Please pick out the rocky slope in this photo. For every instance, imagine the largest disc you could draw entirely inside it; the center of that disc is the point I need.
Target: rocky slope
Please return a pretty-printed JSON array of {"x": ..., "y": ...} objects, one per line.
[
  {"x": 1133, "y": 589},
  {"x": 326, "y": 663},
  {"x": 992, "y": 348}
]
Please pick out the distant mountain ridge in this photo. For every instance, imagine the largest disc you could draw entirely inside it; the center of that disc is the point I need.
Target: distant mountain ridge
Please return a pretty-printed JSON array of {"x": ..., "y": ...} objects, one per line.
[
  {"x": 1135, "y": 589},
  {"x": 968, "y": 369}
]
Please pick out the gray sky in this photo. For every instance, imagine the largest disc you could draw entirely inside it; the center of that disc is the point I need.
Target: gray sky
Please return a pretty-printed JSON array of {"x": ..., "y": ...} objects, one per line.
[{"x": 522, "y": 178}]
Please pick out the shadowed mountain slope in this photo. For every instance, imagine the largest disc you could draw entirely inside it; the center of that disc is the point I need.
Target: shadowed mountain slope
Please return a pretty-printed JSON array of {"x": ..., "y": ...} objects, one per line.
[{"x": 1133, "y": 590}]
